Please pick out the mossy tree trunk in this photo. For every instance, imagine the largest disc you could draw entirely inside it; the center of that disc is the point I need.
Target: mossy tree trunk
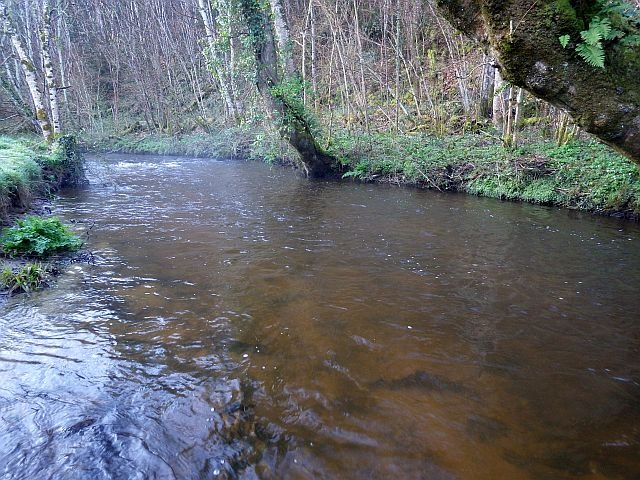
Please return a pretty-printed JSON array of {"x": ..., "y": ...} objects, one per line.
[
  {"x": 216, "y": 65},
  {"x": 277, "y": 83},
  {"x": 525, "y": 37}
]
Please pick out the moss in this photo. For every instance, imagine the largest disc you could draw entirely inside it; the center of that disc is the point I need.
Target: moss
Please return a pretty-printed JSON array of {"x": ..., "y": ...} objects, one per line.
[
  {"x": 30, "y": 167},
  {"x": 565, "y": 16},
  {"x": 28, "y": 65}
]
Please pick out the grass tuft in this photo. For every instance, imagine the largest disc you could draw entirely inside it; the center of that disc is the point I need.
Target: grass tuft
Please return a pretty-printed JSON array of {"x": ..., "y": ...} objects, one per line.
[{"x": 26, "y": 278}]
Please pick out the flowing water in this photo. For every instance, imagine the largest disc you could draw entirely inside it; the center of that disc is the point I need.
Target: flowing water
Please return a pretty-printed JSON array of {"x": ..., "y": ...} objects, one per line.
[{"x": 242, "y": 322}]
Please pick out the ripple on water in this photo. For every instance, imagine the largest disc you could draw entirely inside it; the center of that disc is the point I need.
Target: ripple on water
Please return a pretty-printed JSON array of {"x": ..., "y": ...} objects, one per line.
[{"x": 239, "y": 315}]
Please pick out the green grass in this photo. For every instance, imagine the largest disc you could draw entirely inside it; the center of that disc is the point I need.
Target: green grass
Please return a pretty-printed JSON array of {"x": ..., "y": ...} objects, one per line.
[
  {"x": 26, "y": 278},
  {"x": 583, "y": 175},
  {"x": 29, "y": 167},
  {"x": 19, "y": 170}
]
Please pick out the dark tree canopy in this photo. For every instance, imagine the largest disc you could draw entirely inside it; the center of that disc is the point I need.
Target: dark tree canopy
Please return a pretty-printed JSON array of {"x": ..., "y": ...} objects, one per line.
[{"x": 526, "y": 38}]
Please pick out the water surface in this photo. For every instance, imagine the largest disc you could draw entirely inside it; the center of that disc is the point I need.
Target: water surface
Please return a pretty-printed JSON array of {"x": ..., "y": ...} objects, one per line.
[{"x": 240, "y": 321}]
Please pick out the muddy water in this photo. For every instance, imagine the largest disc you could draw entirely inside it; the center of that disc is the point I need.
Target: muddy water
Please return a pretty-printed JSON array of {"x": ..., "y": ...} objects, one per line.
[{"x": 242, "y": 322}]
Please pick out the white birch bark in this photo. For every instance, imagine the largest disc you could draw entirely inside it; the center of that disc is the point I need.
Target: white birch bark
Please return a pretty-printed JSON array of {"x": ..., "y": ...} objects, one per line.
[
  {"x": 498, "y": 113},
  {"x": 314, "y": 76},
  {"x": 205, "y": 9},
  {"x": 50, "y": 78},
  {"x": 516, "y": 117},
  {"x": 29, "y": 71},
  {"x": 282, "y": 37}
]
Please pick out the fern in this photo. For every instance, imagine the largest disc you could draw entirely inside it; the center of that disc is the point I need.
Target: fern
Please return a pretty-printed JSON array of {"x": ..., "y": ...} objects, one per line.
[
  {"x": 631, "y": 41},
  {"x": 591, "y": 49},
  {"x": 618, "y": 7},
  {"x": 614, "y": 20},
  {"x": 592, "y": 54},
  {"x": 599, "y": 29}
]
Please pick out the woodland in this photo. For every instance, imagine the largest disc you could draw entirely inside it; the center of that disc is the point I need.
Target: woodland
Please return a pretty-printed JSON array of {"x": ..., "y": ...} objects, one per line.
[
  {"x": 233, "y": 298},
  {"x": 415, "y": 91}
]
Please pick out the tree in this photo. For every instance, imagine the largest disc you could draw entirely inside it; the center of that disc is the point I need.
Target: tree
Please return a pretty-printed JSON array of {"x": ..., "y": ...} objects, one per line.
[
  {"x": 29, "y": 69},
  {"x": 49, "y": 75},
  {"x": 216, "y": 63},
  {"x": 280, "y": 86},
  {"x": 552, "y": 49}
]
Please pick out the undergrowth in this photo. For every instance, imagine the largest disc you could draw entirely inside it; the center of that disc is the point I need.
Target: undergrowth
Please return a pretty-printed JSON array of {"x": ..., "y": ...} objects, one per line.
[
  {"x": 38, "y": 237},
  {"x": 243, "y": 142},
  {"x": 28, "y": 167},
  {"x": 581, "y": 175},
  {"x": 26, "y": 278}
]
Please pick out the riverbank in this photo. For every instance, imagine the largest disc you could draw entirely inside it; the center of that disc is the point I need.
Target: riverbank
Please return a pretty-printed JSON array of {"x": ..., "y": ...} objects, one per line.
[
  {"x": 582, "y": 175},
  {"x": 31, "y": 169}
]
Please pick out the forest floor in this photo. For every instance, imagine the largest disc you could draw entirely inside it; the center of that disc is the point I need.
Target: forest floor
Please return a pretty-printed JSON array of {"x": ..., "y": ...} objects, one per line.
[{"x": 582, "y": 175}]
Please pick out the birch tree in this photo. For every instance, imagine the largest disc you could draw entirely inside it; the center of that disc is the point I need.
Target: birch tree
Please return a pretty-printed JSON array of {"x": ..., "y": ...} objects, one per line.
[
  {"x": 217, "y": 69},
  {"x": 49, "y": 75},
  {"x": 29, "y": 70}
]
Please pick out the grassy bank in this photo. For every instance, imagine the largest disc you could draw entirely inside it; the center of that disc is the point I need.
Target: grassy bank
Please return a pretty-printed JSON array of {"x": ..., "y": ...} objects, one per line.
[
  {"x": 582, "y": 175},
  {"x": 245, "y": 142},
  {"x": 29, "y": 168}
]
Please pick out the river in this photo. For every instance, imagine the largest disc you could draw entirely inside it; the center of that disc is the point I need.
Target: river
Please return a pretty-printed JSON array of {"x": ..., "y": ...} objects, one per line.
[{"x": 242, "y": 322}]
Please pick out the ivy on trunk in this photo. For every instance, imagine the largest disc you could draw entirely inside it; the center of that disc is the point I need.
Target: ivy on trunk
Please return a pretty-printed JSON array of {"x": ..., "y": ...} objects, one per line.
[{"x": 281, "y": 89}]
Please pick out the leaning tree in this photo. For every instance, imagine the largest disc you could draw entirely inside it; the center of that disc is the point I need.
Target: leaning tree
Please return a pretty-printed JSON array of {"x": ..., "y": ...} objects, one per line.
[{"x": 582, "y": 56}]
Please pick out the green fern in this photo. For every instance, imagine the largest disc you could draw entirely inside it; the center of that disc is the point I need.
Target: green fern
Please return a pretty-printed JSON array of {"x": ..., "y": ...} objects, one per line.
[
  {"x": 564, "y": 40},
  {"x": 592, "y": 54},
  {"x": 591, "y": 49},
  {"x": 631, "y": 41}
]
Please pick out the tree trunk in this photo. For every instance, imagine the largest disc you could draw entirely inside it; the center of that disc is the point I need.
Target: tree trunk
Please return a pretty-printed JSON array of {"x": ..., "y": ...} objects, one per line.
[
  {"x": 285, "y": 49},
  {"x": 28, "y": 68},
  {"x": 205, "y": 10},
  {"x": 486, "y": 88},
  {"x": 499, "y": 102},
  {"x": 525, "y": 37},
  {"x": 516, "y": 117},
  {"x": 50, "y": 78},
  {"x": 276, "y": 84}
]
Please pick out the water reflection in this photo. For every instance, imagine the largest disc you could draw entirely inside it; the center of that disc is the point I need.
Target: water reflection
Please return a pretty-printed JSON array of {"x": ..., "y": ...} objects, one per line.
[{"x": 241, "y": 321}]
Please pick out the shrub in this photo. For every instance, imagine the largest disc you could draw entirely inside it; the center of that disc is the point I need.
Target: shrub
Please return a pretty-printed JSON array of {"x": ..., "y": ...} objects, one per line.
[{"x": 37, "y": 236}]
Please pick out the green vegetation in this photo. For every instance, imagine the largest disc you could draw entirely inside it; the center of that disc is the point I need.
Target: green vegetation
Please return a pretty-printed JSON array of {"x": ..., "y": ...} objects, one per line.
[
  {"x": 579, "y": 175},
  {"x": 29, "y": 167},
  {"x": 26, "y": 278},
  {"x": 611, "y": 20},
  {"x": 39, "y": 237},
  {"x": 584, "y": 175},
  {"x": 19, "y": 172},
  {"x": 243, "y": 142}
]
